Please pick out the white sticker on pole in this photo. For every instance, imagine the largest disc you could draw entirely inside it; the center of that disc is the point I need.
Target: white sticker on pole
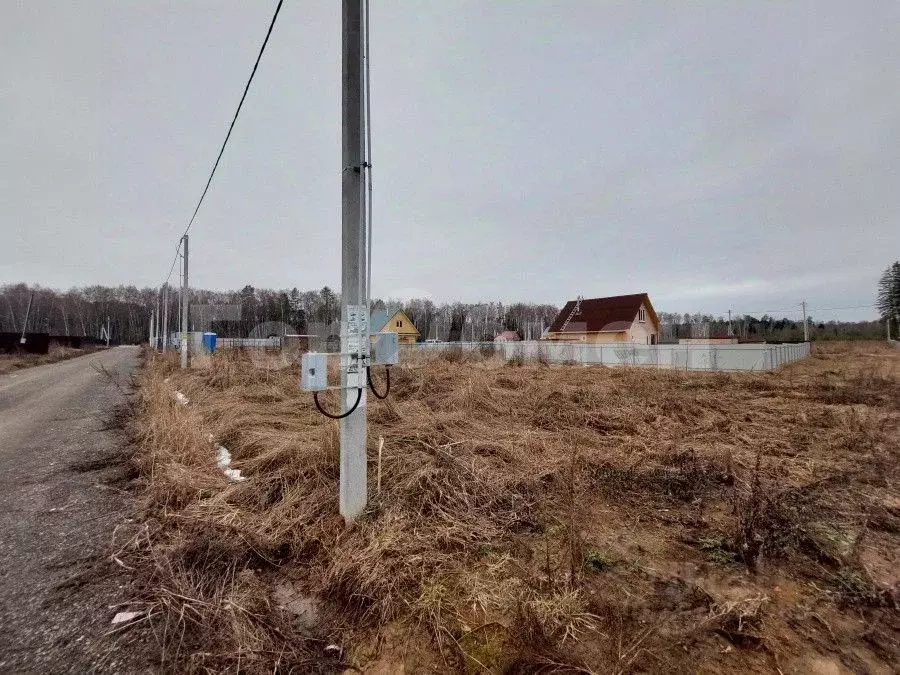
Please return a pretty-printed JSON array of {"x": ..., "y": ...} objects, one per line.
[
  {"x": 357, "y": 344},
  {"x": 357, "y": 329}
]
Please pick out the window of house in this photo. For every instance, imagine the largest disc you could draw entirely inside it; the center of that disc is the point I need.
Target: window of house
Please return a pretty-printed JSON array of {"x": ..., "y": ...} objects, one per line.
[
  {"x": 642, "y": 315},
  {"x": 399, "y": 324}
]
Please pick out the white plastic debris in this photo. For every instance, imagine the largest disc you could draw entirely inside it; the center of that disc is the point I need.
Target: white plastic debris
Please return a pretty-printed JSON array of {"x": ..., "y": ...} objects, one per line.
[
  {"x": 234, "y": 475},
  {"x": 223, "y": 460},
  {"x": 124, "y": 617},
  {"x": 181, "y": 398},
  {"x": 223, "y": 457}
]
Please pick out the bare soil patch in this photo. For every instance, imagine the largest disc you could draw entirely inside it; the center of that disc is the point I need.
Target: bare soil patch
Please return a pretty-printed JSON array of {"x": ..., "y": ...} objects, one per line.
[{"x": 531, "y": 518}]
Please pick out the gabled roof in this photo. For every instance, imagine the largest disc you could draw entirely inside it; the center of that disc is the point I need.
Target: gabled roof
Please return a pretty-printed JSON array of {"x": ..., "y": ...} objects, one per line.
[
  {"x": 377, "y": 320},
  {"x": 594, "y": 315}
]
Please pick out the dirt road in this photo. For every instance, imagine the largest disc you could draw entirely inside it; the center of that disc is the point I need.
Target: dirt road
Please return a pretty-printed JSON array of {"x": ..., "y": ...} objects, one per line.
[{"x": 59, "y": 504}]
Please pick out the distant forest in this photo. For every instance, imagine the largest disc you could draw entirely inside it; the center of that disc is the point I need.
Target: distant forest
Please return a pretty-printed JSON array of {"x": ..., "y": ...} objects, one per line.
[{"x": 259, "y": 312}]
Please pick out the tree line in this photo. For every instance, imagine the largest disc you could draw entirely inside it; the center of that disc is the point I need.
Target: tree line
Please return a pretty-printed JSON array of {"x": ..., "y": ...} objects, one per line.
[
  {"x": 248, "y": 311},
  {"x": 765, "y": 328},
  {"x": 887, "y": 298},
  {"x": 260, "y": 312}
]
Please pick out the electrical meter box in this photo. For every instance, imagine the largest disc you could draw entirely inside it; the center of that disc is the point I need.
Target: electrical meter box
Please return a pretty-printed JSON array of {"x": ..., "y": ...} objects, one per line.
[
  {"x": 314, "y": 371},
  {"x": 387, "y": 349}
]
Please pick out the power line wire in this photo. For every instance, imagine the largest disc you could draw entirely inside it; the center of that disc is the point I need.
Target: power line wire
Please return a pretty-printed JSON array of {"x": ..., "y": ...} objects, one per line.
[
  {"x": 837, "y": 309},
  {"x": 739, "y": 314},
  {"x": 234, "y": 119},
  {"x": 237, "y": 111},
  {"x": 174, "y": 262},
  {"x": 367, "y": 159}
]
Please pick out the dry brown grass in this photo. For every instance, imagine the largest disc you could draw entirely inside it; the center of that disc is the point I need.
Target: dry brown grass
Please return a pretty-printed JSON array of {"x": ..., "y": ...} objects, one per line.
[
  {"x": 531, "y": 518},
  {"x": 12, "y": 362}
]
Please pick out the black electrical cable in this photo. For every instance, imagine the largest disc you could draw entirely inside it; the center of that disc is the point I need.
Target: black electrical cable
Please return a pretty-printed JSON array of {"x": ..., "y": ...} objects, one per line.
[
  {"x": 236, "y": 113},
  {"x": 337, "y": 417},
  {"x": 227, "y": 135},
  {"x": 387, "y": 374}
]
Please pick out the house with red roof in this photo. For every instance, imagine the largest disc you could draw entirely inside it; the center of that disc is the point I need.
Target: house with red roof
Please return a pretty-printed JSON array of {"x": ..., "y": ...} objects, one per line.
[{"x": 616, "y": 319}]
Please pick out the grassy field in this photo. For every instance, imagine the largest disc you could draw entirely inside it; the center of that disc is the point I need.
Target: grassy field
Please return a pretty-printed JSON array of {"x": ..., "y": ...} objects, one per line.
[
  {"x": 12, "y": 362},
  {"x": 530, "y": 519}
]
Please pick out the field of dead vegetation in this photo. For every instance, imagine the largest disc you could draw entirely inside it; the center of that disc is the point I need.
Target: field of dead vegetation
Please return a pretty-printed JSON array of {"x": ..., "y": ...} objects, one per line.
[
  {"x": 12, "y": 362},
  {"x": 531, "y": 518}
]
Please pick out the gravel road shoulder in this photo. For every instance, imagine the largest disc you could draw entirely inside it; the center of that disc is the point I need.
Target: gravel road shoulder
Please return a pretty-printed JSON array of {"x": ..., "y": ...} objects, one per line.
[{"x": 64, "y": 496}]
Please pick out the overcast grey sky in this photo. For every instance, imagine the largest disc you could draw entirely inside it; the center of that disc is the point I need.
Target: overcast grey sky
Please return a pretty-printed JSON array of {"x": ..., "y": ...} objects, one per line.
[{"x": 716, "y": 154}]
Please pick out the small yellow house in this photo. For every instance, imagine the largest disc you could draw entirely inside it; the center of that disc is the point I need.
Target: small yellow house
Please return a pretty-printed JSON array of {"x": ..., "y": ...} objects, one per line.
[
  {"x": 382, "y": 321},
  {"x": 617, "y": 319}
]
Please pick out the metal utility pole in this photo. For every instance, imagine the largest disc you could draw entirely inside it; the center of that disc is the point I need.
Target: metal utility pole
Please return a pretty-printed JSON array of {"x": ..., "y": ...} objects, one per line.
[
  {"x": 185, "y": 290},
  {"x": 805, "y": 324},
  {"x": 180, "y": 297},
  {"x": 25, "y": 323},
  {"x": 158, "y": 325},
  {"x": 730, "y": 330},
  {"x": 165, "y": 336},
  {"x": 354, "y": 302}
]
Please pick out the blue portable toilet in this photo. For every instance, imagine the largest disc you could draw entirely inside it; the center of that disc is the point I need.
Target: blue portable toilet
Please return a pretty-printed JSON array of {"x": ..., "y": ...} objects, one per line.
[{"x": 209, "y": 342}]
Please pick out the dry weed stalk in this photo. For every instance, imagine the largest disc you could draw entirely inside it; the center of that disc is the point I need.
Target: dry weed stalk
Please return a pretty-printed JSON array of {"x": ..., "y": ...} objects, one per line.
[{"x": 486, "y": 476}]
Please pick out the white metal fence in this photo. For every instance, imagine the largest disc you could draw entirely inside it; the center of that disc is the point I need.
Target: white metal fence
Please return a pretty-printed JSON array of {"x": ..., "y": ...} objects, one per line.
[
  {"x": 196, "y": 340},
  {"x": 686, "y": 357},
  {"x": 249, "y": 343}
]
